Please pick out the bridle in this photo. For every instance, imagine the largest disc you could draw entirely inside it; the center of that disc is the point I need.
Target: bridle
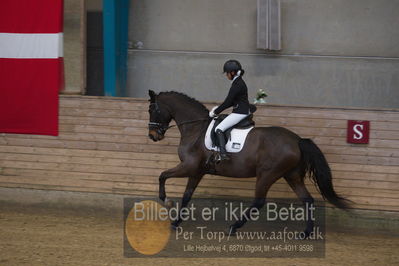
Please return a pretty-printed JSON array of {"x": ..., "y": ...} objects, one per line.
[{"x": 159, "y": 127}]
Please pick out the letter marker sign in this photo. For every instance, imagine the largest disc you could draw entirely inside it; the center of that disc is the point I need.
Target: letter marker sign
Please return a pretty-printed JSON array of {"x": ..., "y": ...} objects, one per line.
[{"x": 358, "y": 132}]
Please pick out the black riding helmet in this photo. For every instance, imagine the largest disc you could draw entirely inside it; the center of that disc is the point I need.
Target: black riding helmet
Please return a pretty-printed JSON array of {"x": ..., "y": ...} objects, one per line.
[{"x": 231, "y": 65}]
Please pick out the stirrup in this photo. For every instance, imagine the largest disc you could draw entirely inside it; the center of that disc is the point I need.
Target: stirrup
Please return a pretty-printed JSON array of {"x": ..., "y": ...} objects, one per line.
[{"x": 221, "y": 157}]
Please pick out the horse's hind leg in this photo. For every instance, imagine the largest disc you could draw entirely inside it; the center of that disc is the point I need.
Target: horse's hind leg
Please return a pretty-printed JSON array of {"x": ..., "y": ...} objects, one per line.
[
  {"x": 263, "y": 184},
  {"x": 296, "y": 181}
]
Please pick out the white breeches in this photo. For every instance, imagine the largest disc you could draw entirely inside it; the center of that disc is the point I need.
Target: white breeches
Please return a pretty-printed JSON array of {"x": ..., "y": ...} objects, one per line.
[{"x": 230, "y": 121}]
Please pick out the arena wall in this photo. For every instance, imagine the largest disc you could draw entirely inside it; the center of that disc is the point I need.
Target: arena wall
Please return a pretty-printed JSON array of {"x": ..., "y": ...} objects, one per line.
[
  {"x": 103, "y": 147},
  {"x": 334, "y": 52}
]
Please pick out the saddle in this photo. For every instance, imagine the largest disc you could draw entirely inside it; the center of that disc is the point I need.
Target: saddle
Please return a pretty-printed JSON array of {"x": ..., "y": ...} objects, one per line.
[{"x": 243, "y": 124}]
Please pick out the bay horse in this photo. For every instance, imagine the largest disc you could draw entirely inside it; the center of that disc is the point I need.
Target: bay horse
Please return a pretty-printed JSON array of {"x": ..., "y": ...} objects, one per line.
[{"x": 269, "y": 154}]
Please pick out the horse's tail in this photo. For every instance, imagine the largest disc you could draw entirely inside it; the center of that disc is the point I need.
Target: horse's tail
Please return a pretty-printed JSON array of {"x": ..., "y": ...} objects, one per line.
[{"x": 319, "y": 171}]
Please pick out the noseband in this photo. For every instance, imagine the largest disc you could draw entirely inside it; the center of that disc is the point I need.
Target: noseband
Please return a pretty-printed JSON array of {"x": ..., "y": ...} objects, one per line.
[{"x": 159, "y": 127}]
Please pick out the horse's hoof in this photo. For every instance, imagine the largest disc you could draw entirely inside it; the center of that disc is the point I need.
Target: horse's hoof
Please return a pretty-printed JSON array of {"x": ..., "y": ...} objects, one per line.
[
  {"x": 176, "y": 224},
  {"x": 232, "y": 231},
  {"x": 305, "y": 235},
  {"x": 173, "y": 227},
  {"x": 169, "y": 203}
]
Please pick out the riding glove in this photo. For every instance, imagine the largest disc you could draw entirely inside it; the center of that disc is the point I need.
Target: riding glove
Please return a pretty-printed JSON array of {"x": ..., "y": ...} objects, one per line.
[{"x": 212, "y": 112}]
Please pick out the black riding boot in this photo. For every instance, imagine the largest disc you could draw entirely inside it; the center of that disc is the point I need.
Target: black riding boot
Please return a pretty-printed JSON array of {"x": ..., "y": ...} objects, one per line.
[{"x": 222, "y": 145}]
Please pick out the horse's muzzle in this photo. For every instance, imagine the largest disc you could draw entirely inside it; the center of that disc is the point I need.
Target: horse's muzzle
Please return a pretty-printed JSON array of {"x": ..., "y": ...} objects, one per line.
[{"x": 154, "y": 136}]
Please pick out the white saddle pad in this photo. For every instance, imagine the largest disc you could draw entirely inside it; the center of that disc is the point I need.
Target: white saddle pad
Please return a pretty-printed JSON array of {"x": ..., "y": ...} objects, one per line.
[{"x": 236, "y": 142}]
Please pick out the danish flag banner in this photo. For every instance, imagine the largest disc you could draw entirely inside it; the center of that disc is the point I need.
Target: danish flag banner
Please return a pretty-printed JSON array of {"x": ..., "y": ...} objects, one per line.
[{"x": 31, "y": 65}]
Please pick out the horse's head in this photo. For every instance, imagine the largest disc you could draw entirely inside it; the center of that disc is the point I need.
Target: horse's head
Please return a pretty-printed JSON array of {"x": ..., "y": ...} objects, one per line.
[{"x": 160, "y": 118}]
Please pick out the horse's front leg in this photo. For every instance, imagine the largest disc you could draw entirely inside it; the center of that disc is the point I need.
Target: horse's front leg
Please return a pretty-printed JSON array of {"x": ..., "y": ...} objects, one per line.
[
  {"x": 181, "y": 170},
  {"x": 192, "y": 184}
]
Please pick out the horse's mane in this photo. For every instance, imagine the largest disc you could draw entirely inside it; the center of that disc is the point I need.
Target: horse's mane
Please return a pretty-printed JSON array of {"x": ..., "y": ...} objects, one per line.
[{"x": 189, "y": 99}]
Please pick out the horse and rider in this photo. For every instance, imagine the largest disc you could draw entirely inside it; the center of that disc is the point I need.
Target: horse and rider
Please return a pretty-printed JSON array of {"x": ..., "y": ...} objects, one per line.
[{"x": 269, "y": 153}]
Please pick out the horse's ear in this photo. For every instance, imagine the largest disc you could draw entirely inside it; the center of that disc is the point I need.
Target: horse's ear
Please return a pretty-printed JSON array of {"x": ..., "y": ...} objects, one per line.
[{"x": 152, "y": 95}]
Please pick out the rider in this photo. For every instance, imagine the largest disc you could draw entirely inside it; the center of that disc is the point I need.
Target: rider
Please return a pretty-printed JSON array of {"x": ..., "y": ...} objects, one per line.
[{"x": 237, "y": 97}]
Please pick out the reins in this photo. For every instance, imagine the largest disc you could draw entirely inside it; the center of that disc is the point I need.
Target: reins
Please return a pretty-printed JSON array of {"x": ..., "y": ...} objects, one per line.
[
  {"x": 192, "y": 121},
  {"x": 162, "y": 128}
]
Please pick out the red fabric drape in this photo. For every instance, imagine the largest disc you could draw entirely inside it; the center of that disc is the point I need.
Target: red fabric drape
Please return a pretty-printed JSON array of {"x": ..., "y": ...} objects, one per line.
[{"x": 31, "y": 65}]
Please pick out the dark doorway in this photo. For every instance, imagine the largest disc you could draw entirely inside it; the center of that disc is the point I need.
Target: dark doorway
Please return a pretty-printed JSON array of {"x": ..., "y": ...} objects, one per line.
[{"x": 95, "y": 54}]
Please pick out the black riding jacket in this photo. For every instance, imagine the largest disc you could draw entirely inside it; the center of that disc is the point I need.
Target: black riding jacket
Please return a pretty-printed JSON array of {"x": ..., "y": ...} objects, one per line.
[{"x": 237, "y": 97}]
